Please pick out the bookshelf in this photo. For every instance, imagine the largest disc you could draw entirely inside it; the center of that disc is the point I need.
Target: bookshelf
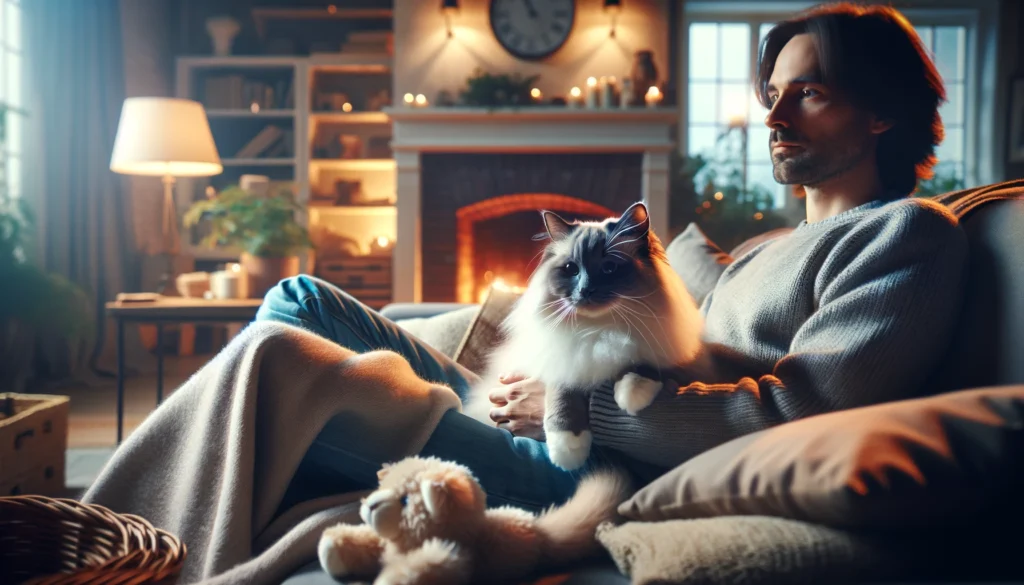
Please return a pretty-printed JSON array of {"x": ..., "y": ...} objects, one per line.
[{"x": 312, "y": 123}]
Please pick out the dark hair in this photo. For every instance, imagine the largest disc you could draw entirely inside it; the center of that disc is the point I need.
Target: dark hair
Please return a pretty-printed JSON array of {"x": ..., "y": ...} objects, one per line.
[{"x": 874, "y": 57}]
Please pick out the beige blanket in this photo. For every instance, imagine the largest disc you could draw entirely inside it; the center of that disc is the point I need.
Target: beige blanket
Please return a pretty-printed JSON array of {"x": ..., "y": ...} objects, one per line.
[{"x": 198, "y": 468}]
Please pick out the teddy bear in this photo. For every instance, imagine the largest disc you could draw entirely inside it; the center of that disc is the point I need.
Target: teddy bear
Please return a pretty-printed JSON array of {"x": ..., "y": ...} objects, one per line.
[{"x": 428, "y": 523}]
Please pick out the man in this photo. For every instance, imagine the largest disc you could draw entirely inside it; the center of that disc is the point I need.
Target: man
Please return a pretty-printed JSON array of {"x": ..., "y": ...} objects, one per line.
[{"x": 854, "y": 307}]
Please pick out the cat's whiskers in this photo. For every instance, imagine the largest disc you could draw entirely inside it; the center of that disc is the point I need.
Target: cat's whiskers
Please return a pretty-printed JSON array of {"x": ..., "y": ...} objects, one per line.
[
  {"x": 650, "y": 312},
  {"x": 643, "y": 321}
]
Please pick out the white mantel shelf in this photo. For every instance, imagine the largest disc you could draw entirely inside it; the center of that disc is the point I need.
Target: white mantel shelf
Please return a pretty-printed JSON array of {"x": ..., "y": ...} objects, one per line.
[{"x": 532, "y": 129}]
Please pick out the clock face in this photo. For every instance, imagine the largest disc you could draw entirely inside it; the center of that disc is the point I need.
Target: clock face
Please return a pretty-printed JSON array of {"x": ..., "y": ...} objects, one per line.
[{"x": 532, "y": 29}]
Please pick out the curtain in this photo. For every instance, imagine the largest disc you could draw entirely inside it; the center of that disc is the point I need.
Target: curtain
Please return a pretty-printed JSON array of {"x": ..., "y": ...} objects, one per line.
[{"x": 75, "y": 86}]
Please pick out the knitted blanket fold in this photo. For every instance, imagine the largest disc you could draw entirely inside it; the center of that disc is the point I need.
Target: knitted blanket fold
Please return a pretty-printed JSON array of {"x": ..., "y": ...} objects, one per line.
[{"x": 212, "y": 463}]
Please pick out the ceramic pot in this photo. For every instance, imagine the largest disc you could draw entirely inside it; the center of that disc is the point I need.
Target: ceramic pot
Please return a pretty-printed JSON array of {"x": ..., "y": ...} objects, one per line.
[
  {"x": 222, "y": 31},
  {"x": 265, "y": 273}
]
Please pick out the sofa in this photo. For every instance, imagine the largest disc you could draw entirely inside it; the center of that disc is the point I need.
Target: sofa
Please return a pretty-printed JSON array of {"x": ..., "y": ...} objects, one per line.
[{"x": 848, "y": 538}]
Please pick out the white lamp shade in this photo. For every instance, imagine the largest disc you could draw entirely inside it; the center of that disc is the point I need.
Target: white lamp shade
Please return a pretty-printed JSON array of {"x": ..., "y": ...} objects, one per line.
[{"x": 164, "y": 137}]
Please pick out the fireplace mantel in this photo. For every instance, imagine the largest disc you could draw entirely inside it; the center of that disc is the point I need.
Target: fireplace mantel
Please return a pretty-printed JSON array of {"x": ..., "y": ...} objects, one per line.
[
  {"x": 518, "y": 130},
  {"x": 533, "y": 129}
]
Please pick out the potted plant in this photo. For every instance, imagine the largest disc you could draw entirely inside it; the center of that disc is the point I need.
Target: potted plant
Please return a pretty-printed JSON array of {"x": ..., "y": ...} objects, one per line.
[
  {"x": 263, "y": 226},
  {"x": 33, "y": 303}
]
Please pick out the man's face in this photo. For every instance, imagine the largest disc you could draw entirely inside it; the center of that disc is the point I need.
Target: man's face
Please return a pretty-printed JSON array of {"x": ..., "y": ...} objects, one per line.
[{"x": 816, "y": 134}]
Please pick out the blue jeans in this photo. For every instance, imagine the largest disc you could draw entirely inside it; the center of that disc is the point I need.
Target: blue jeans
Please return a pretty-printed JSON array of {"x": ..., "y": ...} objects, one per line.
[{"x": 512, "y": 470}]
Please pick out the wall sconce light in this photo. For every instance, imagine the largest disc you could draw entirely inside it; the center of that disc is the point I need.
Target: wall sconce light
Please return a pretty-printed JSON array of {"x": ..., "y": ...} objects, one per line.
[
  {"x": 613, "y": 7},
  {"x": 449, "y": 7}
]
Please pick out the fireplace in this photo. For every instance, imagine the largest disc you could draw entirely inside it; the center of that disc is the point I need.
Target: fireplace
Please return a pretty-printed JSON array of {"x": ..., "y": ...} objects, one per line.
[
  {"x": 480, "y": 211},
  {"x": 470, "y": 183},
  {"x": 493, "y": 239}
]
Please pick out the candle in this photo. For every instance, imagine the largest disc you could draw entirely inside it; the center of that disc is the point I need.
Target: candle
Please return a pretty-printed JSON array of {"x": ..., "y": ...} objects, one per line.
[
  {"x": 607, "y": 89},
  {"x": 626, "y": 93},
  {"x": 574, "y": 97},
  {"x": 421, "y": 100},
  {"x": 591, "y": 92},
  {"x": 653, "y": 97},
  {"x": 536, "y": 95},
  {"x": 409, "y": 99}
]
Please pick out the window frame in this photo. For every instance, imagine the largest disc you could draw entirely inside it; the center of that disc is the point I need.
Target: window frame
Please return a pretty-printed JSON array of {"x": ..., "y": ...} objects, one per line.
[
  {"x": 11, "y": 154},
  {"x": 979, "y": 18}
]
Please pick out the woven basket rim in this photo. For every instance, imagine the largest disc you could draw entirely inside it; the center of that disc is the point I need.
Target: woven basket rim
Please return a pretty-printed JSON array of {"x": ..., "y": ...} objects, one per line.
[{"x": 137, "y": 551}]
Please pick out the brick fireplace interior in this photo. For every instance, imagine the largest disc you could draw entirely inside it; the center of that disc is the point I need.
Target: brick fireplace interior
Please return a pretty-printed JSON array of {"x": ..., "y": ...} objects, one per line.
[{"x": 480, "y": 211}]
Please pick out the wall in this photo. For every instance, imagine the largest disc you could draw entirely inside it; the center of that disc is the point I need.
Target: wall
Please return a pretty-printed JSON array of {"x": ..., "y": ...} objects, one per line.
[
  {"x": 1011, "y": 66},
  {"x": 427, "y": 61}
]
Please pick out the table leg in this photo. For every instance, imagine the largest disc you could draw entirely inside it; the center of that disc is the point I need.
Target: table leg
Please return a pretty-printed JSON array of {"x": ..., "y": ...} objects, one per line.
[
  {"x": 120, "y": 380},
  {"x": 159, "y": 363}
]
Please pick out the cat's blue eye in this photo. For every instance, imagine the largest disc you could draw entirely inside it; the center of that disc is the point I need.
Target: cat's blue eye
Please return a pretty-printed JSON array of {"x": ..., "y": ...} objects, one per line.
[
  {"x": 609, "y": 267},
  {"x": 571, "y": 268},
  {"x": 404, "y": 500}
]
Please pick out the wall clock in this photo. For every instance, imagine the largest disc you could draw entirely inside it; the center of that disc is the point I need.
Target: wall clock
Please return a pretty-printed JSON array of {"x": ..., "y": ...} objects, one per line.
[{"x": 532, "y": 29}]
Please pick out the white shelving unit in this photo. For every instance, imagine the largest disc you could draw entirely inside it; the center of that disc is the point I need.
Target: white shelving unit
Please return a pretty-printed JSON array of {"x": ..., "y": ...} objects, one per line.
[{"x": 302, "y": 112}]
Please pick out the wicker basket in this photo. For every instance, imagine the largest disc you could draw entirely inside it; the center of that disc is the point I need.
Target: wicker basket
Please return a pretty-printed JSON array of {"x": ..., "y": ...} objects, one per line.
[{"x": 58, "y": 541}]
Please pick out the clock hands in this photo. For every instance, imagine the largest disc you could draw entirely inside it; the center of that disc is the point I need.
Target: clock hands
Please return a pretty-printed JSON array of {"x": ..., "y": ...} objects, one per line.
[{"x": 530, "y": 9}]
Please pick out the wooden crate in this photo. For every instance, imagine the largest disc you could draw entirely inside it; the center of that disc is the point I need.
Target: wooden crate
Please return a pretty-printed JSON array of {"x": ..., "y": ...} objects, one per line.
[
  {"x": 367, "y": 278},
  {"x": 33, "y": 442}
]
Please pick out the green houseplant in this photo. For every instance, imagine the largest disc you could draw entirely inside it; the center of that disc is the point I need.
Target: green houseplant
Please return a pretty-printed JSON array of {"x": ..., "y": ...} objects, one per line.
[
  {"x": 262, "y": 226},
  {"x": 33, "y": 302}
]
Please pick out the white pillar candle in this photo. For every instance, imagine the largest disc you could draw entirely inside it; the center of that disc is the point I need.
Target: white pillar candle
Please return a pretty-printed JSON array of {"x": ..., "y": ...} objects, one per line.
[
  {"x": 591, "y": 92},
  {"x": 653, "y": 97},
  {"x": 573, "y": 101},
  {"x": 626, "y": 93}
]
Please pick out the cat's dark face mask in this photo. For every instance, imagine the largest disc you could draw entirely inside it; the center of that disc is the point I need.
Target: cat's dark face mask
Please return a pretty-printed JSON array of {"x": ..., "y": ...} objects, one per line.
[{"x": 598, "y": 267}]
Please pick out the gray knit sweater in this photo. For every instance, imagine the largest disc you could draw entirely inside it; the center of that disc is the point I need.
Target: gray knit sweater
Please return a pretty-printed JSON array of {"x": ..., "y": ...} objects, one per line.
[{"x": 849, "y": 311}]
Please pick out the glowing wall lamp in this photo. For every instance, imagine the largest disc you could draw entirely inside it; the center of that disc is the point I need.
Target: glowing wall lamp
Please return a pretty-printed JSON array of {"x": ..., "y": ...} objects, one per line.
[
  {"x": 613, "y": 7},
  {"x": 449, "y": 7}
]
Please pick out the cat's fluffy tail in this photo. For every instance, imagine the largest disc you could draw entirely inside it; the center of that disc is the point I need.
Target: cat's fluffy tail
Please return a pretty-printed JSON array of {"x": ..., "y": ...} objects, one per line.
[{"x": 568, "y": 531}]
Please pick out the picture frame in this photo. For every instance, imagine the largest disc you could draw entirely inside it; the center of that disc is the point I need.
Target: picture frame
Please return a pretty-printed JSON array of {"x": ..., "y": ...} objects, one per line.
[{"x": 1015, "y": 138}]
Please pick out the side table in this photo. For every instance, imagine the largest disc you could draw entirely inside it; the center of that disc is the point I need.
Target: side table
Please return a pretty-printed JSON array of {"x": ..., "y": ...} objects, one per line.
[{"x": 170, "y": 310}]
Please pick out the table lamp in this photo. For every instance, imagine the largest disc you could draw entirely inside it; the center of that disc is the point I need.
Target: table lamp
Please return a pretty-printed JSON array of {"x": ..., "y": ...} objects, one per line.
[{"x": 167, "y": 138}]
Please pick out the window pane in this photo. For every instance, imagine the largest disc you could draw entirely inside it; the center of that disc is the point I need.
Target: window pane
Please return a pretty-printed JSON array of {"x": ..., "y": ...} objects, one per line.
[
  {"x": 952, "y": 111},
  {"x": 735, "y": 52},
  {"x": 757, "y": 143},
  {"x": 761, "y": 175},
  {"x": 703, "y": 102},
  {"x": 14, "y": 124},
  {"x": 952, "y": 148},
  {"x": 925, "y": 32},
  {"x": 12, "y": 72},
  {"x": 734, "y": 101},
  {"x": 949, "y": 52},
  {"x": 763, "y": 31},
  {"x": 13, "y": 176},
  {"x": 701, "y": 139},
  {"x": 703, "y": 51},
  {"x": 12, "y": 26}
]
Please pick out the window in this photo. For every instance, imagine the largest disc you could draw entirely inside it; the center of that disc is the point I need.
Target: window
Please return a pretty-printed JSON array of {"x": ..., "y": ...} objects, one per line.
[
  {"x": 12, "y": 113},
  {"x": 721, "y": 108}
]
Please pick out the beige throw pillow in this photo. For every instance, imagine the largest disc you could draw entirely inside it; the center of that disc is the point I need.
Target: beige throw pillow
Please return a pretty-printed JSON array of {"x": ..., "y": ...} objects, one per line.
[{"x": 949, "y": 459}]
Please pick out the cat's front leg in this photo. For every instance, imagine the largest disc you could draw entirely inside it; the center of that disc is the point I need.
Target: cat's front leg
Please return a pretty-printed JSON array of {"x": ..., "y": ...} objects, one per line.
[
  {"x": 634, "y": 392},
  {"x": 348, "y": 550},
  {"x": 567, "y": 427},
  {"x": 437, "y": 562}
]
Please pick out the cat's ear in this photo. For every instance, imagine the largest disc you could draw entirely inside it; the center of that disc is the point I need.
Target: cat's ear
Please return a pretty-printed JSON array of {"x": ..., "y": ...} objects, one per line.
[
  {"x": 632, "y": 227},
  {"x": 557, "y": 227}
]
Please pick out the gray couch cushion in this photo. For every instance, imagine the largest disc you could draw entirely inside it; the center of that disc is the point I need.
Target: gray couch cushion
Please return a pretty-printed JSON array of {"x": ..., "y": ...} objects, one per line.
[{"x": 697, "y": 261}]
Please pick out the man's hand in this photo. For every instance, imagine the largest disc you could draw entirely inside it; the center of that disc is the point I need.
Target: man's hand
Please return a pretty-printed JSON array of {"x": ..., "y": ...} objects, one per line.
[{"x": 519, "y": 406}]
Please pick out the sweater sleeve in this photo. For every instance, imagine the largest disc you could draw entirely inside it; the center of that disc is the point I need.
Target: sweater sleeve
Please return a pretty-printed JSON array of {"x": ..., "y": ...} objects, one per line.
[{"x": 886, "y": 301}]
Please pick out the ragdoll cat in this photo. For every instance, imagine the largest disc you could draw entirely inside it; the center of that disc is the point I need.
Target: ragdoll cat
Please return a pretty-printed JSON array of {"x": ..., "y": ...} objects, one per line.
[{"x": 603, "y": 305}]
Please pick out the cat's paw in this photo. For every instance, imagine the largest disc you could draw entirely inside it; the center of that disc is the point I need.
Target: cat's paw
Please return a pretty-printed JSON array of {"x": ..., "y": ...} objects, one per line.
[
  {"x": 567, "y": 449},
  {"x": 634, "y": 392}
]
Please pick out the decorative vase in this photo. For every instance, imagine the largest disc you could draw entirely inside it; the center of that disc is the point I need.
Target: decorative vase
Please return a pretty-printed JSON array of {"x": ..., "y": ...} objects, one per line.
[
  {"x": 222, "y": 31},
  {"x": 643, "y": 75},
  {"x": 265, "y": 273}
]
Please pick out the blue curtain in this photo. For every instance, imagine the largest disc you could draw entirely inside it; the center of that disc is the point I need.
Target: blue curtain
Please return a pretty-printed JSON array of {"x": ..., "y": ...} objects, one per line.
[{"x": 74, "y": 85}]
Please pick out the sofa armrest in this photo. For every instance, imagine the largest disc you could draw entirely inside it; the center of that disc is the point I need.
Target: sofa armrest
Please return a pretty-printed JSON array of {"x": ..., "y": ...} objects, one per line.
[{"x": 399, "y": 311}]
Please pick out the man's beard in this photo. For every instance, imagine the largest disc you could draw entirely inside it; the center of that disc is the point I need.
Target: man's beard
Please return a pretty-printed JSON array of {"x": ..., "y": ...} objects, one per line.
[{"x": 809, "y": 166}]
